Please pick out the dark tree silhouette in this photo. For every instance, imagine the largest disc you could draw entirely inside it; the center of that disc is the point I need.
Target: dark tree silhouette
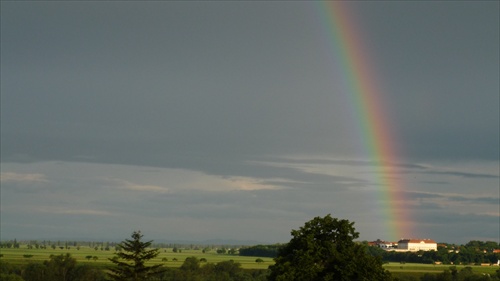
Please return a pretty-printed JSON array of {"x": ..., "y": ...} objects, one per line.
[
  {"x": 130, "y": 262},
  {"x": 324, "y": 249}
]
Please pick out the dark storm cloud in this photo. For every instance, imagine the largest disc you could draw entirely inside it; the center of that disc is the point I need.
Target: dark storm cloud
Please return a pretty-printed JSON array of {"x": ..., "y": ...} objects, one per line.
[
  {"x": 487, "y": 221},
  {"x": 238, "y": 89},
  {"x": 176, "y": 88},
  {"x": 442, "y": 79},
  {"x": 79, "y": 83},
  {"x": 458, "y": 226}
]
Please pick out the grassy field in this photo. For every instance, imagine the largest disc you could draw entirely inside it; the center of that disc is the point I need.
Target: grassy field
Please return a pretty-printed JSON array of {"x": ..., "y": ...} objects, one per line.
[
  {"x": 396, "y": 268},
  {"x": 17, "y": 256}
]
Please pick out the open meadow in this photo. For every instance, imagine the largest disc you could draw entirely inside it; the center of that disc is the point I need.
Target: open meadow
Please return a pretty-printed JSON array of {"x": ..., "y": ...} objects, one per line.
[
  {"x": 418, "y": 269},
  {"x": 20, "y": 256}
]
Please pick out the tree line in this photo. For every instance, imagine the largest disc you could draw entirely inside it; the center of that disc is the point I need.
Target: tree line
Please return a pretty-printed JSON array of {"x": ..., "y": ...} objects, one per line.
[
  {"x": 270, "y": 251},
  {"x": 35, "y": 244},
  {"x": 466, "y": 254},
  {"x": 323, "y": 249},
  {"x": 474, "y": 252}
]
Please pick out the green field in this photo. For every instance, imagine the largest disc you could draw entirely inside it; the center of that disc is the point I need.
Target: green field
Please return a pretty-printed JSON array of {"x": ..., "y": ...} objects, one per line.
[
  {"x": 418, "y": 270},
  {"x": 16, "y": 257}
]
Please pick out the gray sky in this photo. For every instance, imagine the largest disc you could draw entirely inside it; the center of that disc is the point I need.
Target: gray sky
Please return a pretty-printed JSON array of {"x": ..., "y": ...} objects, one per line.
[{"x": 202, "y": 120}]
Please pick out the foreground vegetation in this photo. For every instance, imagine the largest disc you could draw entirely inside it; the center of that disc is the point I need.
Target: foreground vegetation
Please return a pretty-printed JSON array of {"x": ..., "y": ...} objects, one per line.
[
  {"x": 100, "y": 258},
  {"x": 323, "y": 249},
  {"x": 207, "y": 270},
  {"x": 130, "y": 260},
  {"x": 65, "y": 268},
  {"x": 415, "y": 271}
]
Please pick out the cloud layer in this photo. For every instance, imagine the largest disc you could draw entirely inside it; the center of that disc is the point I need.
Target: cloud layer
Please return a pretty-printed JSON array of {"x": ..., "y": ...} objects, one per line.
[{"x": 208, "y": 115}]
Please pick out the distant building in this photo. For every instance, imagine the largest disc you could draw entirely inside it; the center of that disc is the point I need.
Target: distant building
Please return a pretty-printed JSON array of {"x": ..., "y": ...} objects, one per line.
[
  {"x": 415, "y": 245},
  {"x": 383, "y": 244}
]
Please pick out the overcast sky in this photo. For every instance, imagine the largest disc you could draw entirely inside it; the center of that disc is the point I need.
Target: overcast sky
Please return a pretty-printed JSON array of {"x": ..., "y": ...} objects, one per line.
[{"x": 204, "y": 120}]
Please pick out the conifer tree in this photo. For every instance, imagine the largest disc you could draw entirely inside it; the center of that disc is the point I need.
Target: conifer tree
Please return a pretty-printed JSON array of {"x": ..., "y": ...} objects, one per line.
[{"x": 130, "y": 262}]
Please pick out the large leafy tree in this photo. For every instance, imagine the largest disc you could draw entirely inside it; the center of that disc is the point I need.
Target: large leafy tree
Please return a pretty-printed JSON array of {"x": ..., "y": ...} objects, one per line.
[
  {"x": 324, "y": 249},
  {"x": 130, "y": 262}
]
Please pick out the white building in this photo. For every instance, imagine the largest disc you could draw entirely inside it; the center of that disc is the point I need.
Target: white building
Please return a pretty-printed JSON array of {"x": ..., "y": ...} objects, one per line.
[{"x": 415, "y": 245}]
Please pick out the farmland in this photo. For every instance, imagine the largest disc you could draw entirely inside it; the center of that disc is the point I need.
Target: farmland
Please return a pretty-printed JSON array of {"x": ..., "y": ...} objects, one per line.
[
  {"x": 22, "y": 256},
  {"x": 418, "y": 270},
  {"x": 99, "y": 258}
]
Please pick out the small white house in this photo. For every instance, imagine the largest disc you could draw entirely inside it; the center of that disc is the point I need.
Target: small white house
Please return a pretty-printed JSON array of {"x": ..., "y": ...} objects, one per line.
[
  {"x": 387, "y": 245},
  {"x": 415, "y": 245}
]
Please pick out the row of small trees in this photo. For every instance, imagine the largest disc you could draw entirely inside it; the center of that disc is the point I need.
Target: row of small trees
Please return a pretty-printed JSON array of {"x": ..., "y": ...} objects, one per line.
[{"x": 53, "y": 246}]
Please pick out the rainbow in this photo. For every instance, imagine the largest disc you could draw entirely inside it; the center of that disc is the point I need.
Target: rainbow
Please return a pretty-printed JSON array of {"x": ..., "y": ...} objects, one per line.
[{"x": 374, "y": 126}]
